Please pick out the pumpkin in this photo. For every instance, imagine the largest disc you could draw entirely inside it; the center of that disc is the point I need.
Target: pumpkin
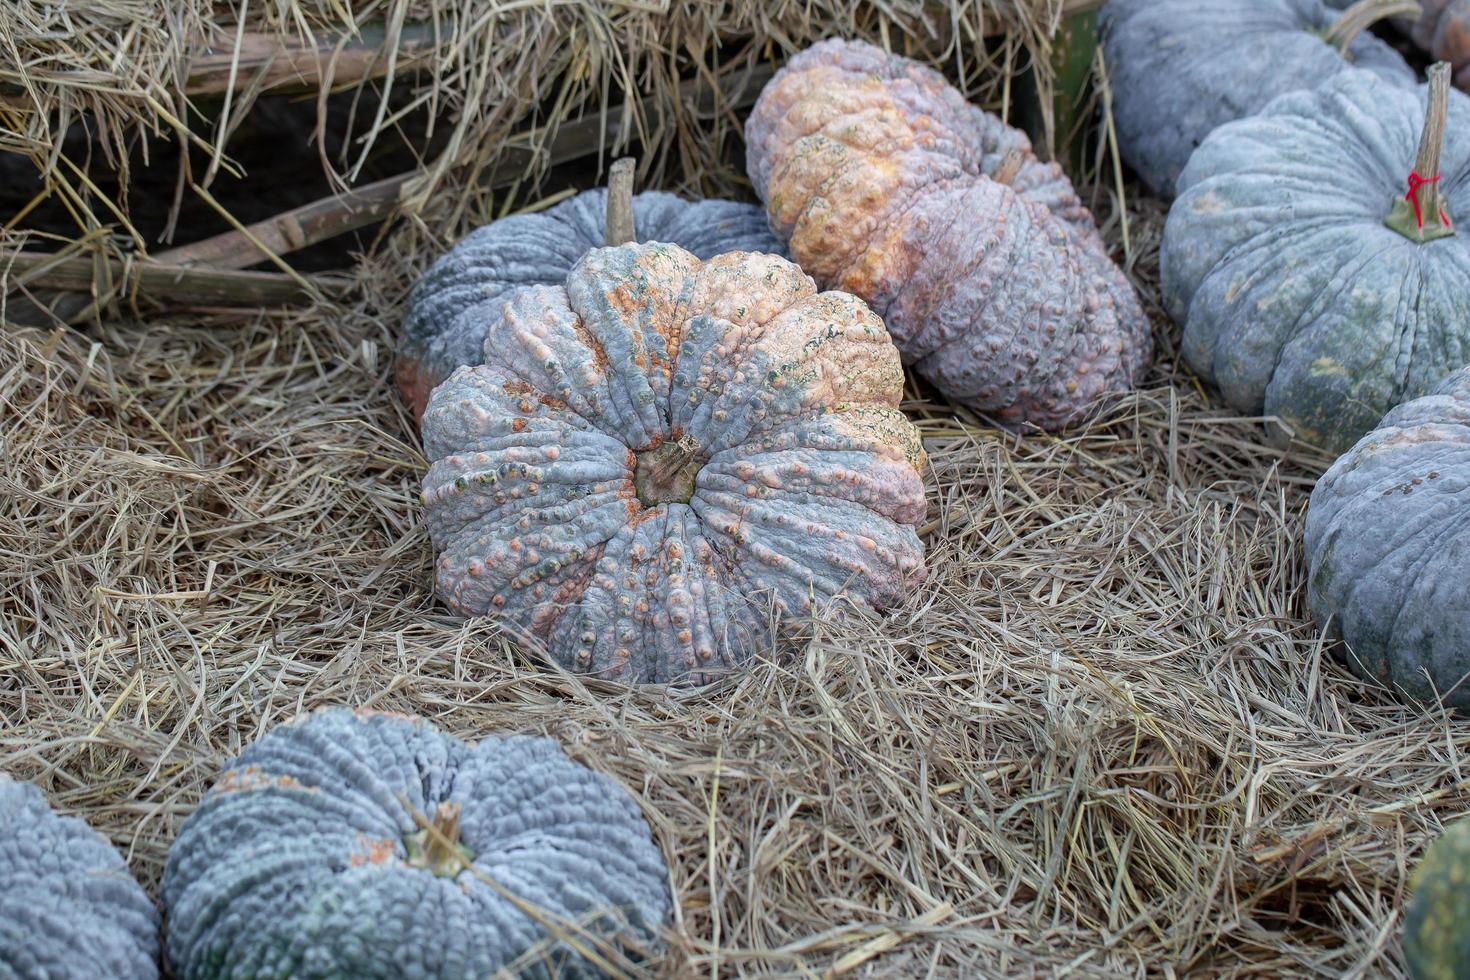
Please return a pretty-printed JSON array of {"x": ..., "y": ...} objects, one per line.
[
  {"x": 660, "y": 450},
  {"x": 1179, "y": 69},
  {"x": 1309, "y": 284},
  {"x": 1436, "y": 937},
  {"x": 69, "y": 907},
  {"x": 1443, "y": 29},
  {"x": 362, "y": 844},
  {"x": 444, "y": 322},
  {"x": 986, "y": 267},
  {"x": 1388, "y": 546}
]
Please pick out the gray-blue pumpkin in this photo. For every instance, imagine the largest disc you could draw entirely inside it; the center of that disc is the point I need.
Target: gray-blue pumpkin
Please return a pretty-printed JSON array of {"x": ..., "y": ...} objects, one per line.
[
  {"x": 455, "y": 301},
  {"x": 69, "y": 907},
  {"x": 1309, "y": 285},
  {"x": 370, "y": 845},
  {"x": 1178, "y": 69},
  {"x": 1388, "y": 547}
]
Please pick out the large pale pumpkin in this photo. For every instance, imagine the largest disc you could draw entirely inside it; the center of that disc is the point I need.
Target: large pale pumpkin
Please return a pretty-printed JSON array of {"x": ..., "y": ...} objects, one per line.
[
  {"x": 660, "y": 450},
  {"x": 1317, "y": 279},
  {"x": 1437, "y": 923},
  {"x": 69, "y": 907},
  {"x": 374, "y": 846},
  {"x": 986, "y": 267},
  {"x": 1388, "y": 546},
  {"x": 450, "y": 307},
  {"x": 1179, "y": 69}
]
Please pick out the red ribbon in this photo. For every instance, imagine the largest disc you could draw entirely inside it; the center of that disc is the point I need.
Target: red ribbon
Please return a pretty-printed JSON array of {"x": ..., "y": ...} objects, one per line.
[{"x": 1416, "y": 182}]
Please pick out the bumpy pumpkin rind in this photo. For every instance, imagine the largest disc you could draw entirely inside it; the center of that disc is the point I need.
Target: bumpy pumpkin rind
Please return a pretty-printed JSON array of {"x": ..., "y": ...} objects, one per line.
[
  {"x": 878, "y": 174},
  {"x": 1388, "y": 547},
  {"x": 1295, "y": 298},
  {"x": 1179, "y": 69},
  {"x": 805, "y": 478},
  {"x": 295, "y": 863},
  {"x": 450, "y": 306},
  {"x": 69, "y": 907},
  {"x": 1437, "y": 922}
]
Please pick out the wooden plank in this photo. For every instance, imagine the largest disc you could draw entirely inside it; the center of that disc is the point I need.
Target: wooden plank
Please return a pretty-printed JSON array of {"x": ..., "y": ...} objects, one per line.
[
  {"x": 290, "y": 64},
  {"x": 178, "y": 284},
  {"x": 336, "y": 215}
]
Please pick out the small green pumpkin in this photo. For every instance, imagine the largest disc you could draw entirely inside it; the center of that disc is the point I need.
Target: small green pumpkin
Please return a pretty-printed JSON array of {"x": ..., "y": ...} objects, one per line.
[
  {"x": 1437, "y": 924},
  {"x": 1316, "y": 277}
]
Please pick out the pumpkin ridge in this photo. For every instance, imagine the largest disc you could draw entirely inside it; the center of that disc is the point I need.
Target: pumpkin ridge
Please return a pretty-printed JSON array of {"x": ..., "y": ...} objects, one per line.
[
  {"x": 908, "y": 143},
  {"x": 1278, "y": 388},
  {"x": 665, "y": 593},
  {"x": 1312, "y": 309},
  {"x": 847, "y": 274},
  {"x": 920, "y": 345}
]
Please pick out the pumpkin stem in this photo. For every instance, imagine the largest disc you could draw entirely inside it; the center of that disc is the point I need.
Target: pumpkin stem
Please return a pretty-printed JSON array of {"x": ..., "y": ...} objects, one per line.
[
  {"x": 666, "y": 473},
  {"x": 436, "y": 847},
  {"x": 1363, "y": 15},
  {"x": 620, "y": 228},
  {"x": 1420, "y": 214}
]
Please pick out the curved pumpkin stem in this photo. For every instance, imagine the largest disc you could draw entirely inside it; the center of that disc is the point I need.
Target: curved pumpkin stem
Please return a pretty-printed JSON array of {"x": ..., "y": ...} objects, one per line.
[
  {"x": 620, "y": 228},
  {"x": 1363, "y": 15},
  {"x": 1420, "y": 214}
]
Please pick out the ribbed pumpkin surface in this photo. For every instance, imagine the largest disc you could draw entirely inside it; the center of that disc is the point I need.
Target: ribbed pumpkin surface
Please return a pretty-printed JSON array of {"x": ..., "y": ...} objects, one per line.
[
  {"x": 450, "y": 306},
  {"x": 1179, "y": 69},
  {"x": 299, "y": 863},
  {"x": 69, "y": 907},
  {"x": 990, "y": 274},
  {"x": 1296, "y": 299},
  {"x": 1437, "y": 923},
  {"x": 1388, "y": 545},
  {"x": 660, "y": 450}
]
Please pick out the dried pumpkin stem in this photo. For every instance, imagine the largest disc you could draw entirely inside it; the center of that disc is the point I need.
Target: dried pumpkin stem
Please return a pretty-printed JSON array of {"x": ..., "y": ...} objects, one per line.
[
  {"x": 620, "y": 228},
  {"x": 436, "y": 847},
  {"x": 1420, "y": 214},
  {"x": 1363, "y": 15},
  {"x": 666, "y": 473}
]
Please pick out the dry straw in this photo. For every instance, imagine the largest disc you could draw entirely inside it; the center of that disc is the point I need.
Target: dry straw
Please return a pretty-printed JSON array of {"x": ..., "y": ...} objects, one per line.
[{"x": 1104, "y": 740}]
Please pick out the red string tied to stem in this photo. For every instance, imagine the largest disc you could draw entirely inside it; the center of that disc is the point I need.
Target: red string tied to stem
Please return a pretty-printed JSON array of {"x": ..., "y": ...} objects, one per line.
[{"x": 1416, "y": 181}]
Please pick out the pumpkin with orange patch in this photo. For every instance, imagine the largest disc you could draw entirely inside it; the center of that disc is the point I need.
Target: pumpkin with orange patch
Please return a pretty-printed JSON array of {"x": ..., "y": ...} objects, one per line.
[
  {"x": 661, "y": 458},
  {"x": 455, "y": 300},
  {"x": 988, "y": 270}
]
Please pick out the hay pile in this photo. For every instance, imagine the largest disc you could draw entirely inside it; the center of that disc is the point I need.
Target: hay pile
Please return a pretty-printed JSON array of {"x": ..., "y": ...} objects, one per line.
[{"x": 1104, "y": 740}]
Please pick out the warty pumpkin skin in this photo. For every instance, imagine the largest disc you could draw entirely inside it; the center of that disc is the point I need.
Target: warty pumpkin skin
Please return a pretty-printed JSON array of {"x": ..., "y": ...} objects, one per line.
[
  {"x": 448, "y": 309},
  {"x": 986, "y": 267},
  {"x": 1388, "y": 547},
  {"x": 1179, "y": 69},
  {"x": 69, "y": 907},
  {"x": 660, "y": 449},
  {"x": 309, "y": 858},
  {"x": 1437, "y": 922},
  {"x": 1296, "y": 298}
]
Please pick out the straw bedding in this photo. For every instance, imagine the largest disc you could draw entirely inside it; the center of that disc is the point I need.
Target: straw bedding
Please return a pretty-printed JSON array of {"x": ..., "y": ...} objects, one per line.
[{"x": 1104, "y": 740}]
